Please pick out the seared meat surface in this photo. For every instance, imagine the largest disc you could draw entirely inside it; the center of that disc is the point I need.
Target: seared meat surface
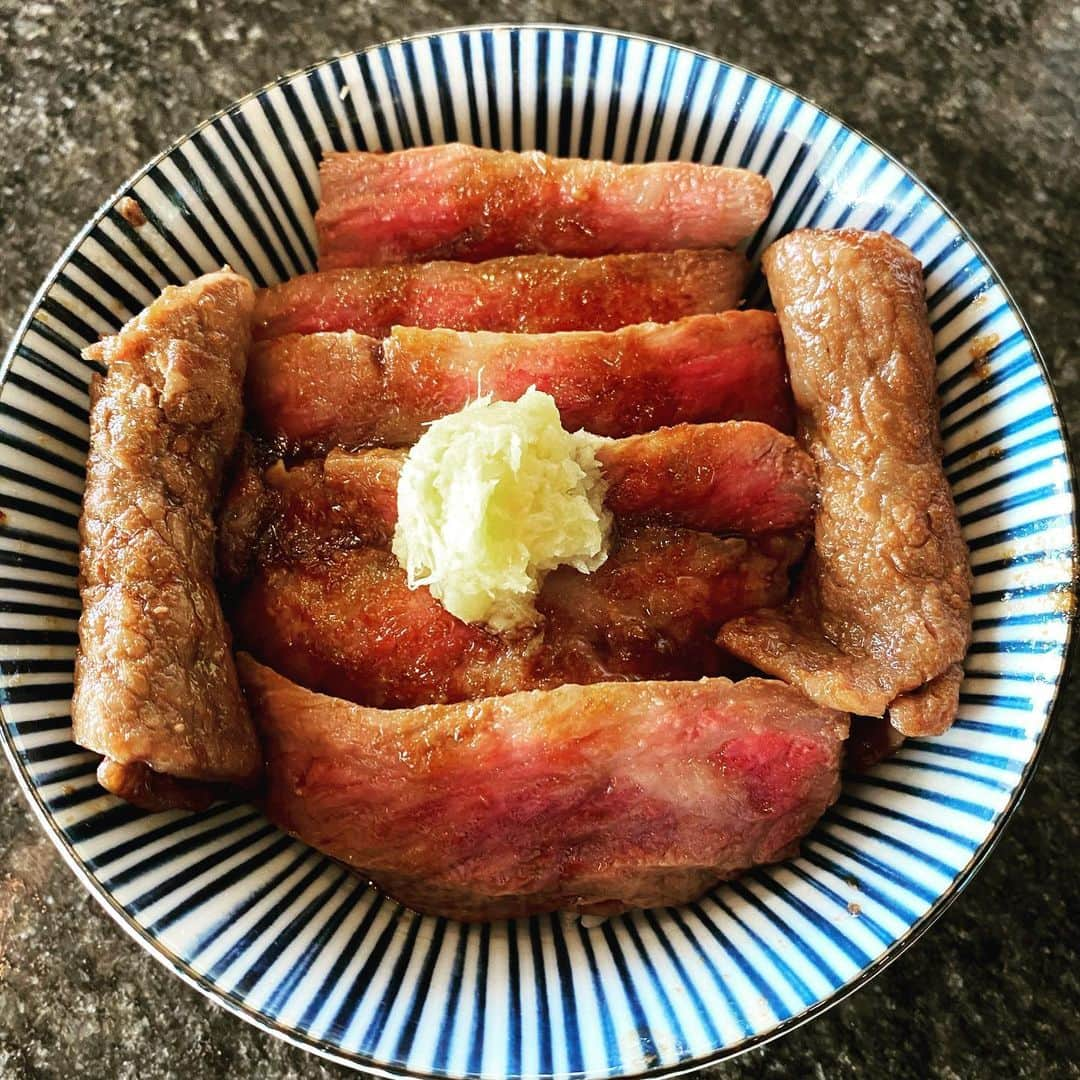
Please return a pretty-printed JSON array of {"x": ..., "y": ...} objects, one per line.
[
  {"x": 316, "y": 593},
  {"x": 884, "y": 605},
  {"x": 462, "y": 202},
  {"x": 523, "y": 294},
  {"x": 737, "y": 477},
  {"x": 594, "y": 798},
  {"x": 931, "y": 708},
  {"x": 138, "y": 784},
  {"x": 346, "y": 622},
  {"x": 155, "y": 684},
  {"x": 292, "y": 513},
  {"x": 316, "y": 391}
]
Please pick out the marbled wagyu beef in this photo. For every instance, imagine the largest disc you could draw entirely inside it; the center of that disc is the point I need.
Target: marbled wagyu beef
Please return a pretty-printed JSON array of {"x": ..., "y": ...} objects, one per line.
[
  {"x": 317, "y": 594},
  {"x": 462, "y": 202},
  {"x": 594, "y": 798},
  {"x": 882, "y": 618},
  {"x": 155, "y": 685},
  {"x": 740, "y": 476},
  {"x": 523, "y": 294},
  {"x": 321, "y": 390},
  {"x": 344, "y": 620}
]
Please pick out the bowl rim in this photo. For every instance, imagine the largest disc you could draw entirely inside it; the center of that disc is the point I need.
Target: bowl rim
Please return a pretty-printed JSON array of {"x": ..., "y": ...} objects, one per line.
[{"x": 227, "y": 1000}]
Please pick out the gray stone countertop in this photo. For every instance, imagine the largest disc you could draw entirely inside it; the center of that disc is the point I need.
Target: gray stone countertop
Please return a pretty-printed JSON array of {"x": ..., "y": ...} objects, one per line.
[{"x": 981, "y": 100}]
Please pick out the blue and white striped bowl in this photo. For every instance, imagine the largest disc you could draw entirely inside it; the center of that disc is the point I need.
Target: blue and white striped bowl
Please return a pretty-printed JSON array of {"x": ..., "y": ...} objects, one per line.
[{"x": 284, "y": 937}]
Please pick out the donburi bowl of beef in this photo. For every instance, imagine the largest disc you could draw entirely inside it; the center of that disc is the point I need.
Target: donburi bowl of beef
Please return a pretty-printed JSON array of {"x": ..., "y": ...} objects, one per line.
[{"x": 289, "y": 938}]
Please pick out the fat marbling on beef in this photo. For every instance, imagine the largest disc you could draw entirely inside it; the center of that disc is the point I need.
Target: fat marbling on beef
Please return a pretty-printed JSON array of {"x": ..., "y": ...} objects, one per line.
[
  {"x": 883, "y": 613},
  {"x": 463, "y": 202},
  {"x": 524, "y": 294},
  {"x": 155, "y": 685},
  {"x": 595, "y": 798},
  {"x": 320, "y": 390}
]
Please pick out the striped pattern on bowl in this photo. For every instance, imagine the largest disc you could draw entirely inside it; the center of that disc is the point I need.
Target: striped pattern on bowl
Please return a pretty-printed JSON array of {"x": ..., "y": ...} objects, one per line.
[{"x": 289, "y": 940}]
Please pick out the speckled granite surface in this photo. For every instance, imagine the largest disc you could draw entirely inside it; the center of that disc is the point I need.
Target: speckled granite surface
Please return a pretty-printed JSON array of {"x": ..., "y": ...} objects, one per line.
[{"x": 980, "y": 99}]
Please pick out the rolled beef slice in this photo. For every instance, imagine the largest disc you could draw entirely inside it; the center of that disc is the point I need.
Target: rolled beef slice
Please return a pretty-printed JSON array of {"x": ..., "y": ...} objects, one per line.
[
  {"x": 156, "y": 691},
  {"x": 883, "y": 612}
]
